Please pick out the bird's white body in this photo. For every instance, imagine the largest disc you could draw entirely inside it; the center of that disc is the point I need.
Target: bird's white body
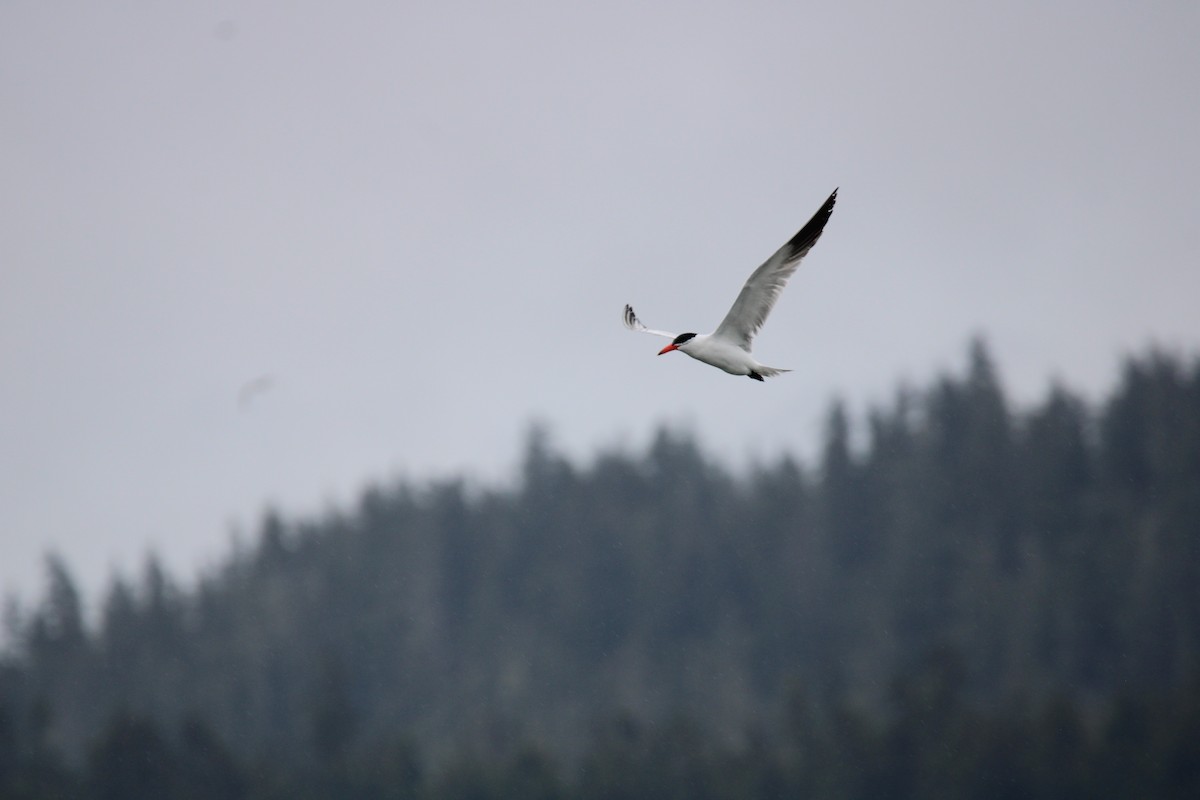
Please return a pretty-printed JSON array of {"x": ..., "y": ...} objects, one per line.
[
  {"x": 728, "y": 347},
  {"x": 725, "y": 355}
]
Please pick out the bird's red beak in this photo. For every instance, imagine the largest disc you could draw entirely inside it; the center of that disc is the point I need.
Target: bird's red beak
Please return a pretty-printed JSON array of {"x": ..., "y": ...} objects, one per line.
[{"x": 668, "y": 348}]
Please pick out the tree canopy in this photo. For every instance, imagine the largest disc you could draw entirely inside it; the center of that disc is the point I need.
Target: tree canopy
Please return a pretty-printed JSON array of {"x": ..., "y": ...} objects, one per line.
[{"x": 973, "y": 589}]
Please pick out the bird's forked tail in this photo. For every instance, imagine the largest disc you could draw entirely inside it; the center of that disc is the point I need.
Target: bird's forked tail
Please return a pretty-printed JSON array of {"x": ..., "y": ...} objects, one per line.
[{"x": 761, "y": 372}]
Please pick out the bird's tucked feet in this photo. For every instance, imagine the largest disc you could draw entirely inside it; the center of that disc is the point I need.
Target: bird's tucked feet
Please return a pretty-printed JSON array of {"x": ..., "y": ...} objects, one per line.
[{"x": 755, "y": 376}]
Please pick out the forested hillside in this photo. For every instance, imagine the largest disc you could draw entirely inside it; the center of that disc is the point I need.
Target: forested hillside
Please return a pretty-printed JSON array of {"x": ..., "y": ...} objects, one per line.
[{"x": 978, "y": 598}]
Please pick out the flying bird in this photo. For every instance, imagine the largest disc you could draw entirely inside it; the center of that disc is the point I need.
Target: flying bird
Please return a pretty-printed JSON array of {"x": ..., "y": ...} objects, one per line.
[
  {"x": 252, "y": 389},
  {"x": 728, "y": 347}
]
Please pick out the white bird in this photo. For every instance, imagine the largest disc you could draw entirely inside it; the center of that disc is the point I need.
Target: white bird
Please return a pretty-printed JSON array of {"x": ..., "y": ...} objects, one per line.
[{"x": 728, "y": 347}]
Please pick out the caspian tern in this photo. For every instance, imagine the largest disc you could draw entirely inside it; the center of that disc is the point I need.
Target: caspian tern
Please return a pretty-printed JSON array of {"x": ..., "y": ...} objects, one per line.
[{"x": 728, "y": 347}]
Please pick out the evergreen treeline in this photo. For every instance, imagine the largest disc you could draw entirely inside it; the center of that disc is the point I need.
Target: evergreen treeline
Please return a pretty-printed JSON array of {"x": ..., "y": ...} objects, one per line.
[{"x": 973, "y": 602}]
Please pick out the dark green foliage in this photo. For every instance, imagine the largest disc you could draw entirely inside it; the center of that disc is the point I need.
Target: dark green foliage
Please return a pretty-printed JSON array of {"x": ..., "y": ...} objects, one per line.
[
  {"x": 131, "y": 761},
  {"x": 206, "y": 768},
  {"x": 974, "y": 602}
]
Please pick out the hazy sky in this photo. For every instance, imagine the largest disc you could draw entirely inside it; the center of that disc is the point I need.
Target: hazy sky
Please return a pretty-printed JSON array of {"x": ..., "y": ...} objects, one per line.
[{"x": 262, "y": 253}]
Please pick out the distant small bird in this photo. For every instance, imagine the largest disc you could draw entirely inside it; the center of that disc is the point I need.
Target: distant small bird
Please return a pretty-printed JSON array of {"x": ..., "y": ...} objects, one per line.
[
  {"x": 251, "y": 389},
  {"x": 728, "y": 347}
]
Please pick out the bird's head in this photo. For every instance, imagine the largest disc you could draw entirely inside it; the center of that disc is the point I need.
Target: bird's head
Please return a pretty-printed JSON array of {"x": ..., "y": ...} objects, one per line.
[{"x": 679, "y": 344}]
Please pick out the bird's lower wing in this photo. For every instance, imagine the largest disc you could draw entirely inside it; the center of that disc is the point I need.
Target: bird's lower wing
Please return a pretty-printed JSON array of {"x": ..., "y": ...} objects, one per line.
[{"x": 635, "y": 324}]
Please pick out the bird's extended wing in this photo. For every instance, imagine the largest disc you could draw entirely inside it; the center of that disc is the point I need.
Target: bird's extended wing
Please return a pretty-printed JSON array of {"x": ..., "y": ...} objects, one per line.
[
  {"x": 762, "y": 289},
  {"x": 635, "y": 324}
]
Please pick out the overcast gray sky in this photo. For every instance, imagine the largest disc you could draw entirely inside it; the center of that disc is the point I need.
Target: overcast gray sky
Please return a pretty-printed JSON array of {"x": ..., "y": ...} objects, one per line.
[{"x": 262, "y": 253}]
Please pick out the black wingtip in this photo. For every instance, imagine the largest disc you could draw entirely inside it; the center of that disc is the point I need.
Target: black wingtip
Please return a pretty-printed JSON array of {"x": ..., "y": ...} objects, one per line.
[{"x": 807, "y": 236}]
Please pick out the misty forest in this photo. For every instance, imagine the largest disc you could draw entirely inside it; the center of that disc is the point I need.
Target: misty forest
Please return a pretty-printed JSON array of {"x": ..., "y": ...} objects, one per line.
[{"x": 957, "y": 599}]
